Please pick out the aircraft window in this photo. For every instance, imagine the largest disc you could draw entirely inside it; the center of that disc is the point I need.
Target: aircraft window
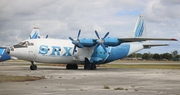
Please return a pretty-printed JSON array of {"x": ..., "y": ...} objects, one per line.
[
  {"x": 59, "y": 49},
  {"x": 12, "y": 49},
  {"x": 30, "y": 44},
  {"x": 54, "y": 49},
  {"x": 26, "y": 43},
  {"x": 48, "y": 49},
  {"x": 42, "y": 48},
  {"x": 23, "y": 43}
]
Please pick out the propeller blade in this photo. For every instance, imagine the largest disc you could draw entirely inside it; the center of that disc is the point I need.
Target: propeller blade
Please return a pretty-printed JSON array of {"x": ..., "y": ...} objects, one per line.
[
  {"x": 71, "y": 39},
  {"x": 74, "y": 49},
  {"x": 79, "y": 34},
  {"x": 76, "y": 42},
  {"x": 106, "y": 35},
  {"x": 97, "y": 34},
  {"x": 80, "y": 45},
  {"x": 96, "y": 46},
  {"x": 104, "y": 47}
]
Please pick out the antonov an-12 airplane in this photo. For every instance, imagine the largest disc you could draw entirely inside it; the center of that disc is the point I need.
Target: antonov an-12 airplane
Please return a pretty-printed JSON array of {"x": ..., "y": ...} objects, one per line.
[
  {"x": 34, "y": 35},
  {"x": 87, "y": 51}
]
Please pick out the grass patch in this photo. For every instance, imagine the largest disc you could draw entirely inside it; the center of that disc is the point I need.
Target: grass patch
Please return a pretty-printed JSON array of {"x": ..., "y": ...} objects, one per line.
[
  {"x": 119, "y": 88},
  {"x": 10, "y": 78},
  {"x": 82, "y": 90},
  {"x": 106, "y": 87},
  {"x": 143, "y": 66}
]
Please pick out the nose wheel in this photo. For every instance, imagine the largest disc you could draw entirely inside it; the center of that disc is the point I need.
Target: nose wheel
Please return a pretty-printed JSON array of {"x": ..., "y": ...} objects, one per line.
[{"x": 33, "y": 66}]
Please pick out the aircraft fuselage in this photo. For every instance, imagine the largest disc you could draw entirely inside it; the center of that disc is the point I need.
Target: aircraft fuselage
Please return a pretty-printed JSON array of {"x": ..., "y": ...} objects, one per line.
[{"x": 60, "y": 51}]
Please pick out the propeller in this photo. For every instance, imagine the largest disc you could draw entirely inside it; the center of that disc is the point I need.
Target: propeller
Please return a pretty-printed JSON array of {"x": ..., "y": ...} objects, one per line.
[
  {"x": 100, "y": 41},
  {"x": 76, "y": 42}
]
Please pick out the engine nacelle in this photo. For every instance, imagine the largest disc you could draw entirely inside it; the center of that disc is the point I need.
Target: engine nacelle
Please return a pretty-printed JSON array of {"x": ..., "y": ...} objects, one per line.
[
  {"x": 112, "y": 41},
  {"x": 87, "y": 42}
]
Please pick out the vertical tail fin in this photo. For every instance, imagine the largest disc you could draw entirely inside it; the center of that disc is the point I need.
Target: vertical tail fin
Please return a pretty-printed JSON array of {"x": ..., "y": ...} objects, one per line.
[
  {"x": 35, "y": 33},
  {"x": 140, "y": 28}
]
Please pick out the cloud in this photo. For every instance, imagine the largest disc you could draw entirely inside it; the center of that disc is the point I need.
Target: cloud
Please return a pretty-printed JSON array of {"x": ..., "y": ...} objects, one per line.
[
  {"x": 61, "y": 18},
  {"x": 162, "y": 10}
]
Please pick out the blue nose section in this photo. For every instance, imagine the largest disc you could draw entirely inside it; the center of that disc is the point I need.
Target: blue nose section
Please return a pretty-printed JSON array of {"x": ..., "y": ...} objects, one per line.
[{"x": 3, "y": 55}]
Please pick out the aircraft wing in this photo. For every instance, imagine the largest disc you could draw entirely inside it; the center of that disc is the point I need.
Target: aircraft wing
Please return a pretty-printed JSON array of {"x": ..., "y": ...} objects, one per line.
[{"x": 145, "y": 39}]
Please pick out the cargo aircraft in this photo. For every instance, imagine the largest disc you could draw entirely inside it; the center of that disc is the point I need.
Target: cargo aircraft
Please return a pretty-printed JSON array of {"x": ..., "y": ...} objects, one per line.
[{"x": 86, "y": 51}]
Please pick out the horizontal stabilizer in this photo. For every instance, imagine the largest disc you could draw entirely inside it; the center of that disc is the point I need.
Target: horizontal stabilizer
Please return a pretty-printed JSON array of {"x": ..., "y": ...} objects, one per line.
[{"x": 153, "y": 45}]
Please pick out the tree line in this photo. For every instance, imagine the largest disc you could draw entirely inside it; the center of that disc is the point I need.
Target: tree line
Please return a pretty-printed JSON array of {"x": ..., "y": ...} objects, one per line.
[{"x": 148, "y": 56}]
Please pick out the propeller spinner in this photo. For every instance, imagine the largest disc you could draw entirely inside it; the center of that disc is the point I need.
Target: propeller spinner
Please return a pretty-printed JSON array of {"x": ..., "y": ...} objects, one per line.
[
  {"x": 76, "y": 42},
  {"x": 100, "y": 41}
]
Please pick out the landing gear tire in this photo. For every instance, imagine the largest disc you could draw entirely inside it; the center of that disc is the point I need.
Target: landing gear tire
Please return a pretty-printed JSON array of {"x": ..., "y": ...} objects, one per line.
[
  {"x": 87, "y": 67},
  {"x": 72, "y": 66},
  {"x": 75, "y": 66},
  {"x": 90, "y": 66},
  {"x": 33, "y": 67},
  {"x": 93, "y": 66}
]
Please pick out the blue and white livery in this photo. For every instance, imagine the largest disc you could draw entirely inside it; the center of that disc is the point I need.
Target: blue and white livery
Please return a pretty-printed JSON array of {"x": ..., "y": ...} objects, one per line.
[{"x": 87, "y": 51}]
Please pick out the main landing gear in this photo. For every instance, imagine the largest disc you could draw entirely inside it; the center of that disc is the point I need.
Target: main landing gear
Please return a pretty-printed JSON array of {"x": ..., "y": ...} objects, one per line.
[
  {"x": 90, "y": 66},
  {"x": 33, "y": 66},
  {"x": 86, "y": 66},
  {"x": 72, "y": 66}
]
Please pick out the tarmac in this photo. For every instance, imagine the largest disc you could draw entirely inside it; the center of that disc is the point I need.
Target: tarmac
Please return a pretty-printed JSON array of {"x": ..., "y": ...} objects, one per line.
[{"x": 59, "y": 81}]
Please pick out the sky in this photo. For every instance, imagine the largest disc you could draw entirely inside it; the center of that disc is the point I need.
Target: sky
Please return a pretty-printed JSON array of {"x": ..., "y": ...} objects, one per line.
[{"x": 62, "y": 19}]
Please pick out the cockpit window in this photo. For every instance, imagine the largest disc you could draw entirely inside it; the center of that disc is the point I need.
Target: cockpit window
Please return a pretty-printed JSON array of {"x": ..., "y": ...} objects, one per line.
[
  {"x": 31, "y": 44},
  {"x": 23, "y": 44},
  {"x": 26, "y": 43}
]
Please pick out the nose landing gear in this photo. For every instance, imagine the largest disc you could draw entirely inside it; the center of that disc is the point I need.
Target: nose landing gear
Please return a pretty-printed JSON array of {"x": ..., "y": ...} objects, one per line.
[{"x": 33, "y": 66}]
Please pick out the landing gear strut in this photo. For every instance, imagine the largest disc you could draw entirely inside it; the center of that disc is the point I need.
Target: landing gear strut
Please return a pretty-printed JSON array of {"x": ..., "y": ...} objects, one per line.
[
  {"x": 72, "y": 66},
  {"x": 33, "y": 66}
]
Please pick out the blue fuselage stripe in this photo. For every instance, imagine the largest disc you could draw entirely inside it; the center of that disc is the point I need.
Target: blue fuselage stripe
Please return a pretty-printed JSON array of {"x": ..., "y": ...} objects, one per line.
[{"x": 113, "y": 53}]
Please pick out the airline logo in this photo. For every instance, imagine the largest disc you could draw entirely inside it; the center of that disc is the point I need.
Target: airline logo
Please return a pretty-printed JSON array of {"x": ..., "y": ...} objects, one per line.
[
  {"x": 140, "y": 28},
  {"x": 54, "y": 50},
  {"x": 35, "y": 35}
]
